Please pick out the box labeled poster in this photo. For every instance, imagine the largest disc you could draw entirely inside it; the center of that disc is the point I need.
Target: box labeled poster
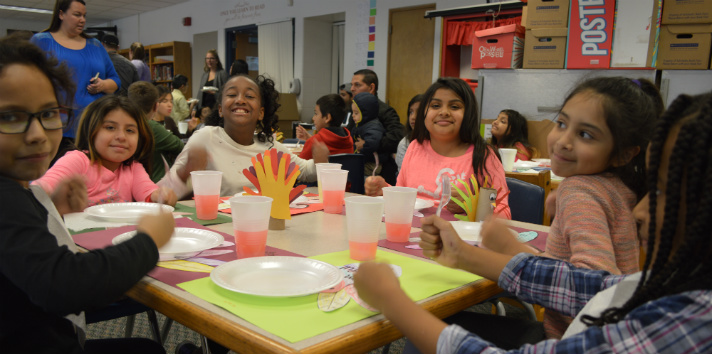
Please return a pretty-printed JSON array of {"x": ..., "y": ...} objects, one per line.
[
  {"x": 498, "y": 48},
  {"x": 635, "y": 34},
  {"x": 545, "y": 48},
  {"x": 684, "y": 46},
  {"x": 547, "y": 14},
  {"x": 687, "y": 11},
  {"x": 590, "y": 34}
]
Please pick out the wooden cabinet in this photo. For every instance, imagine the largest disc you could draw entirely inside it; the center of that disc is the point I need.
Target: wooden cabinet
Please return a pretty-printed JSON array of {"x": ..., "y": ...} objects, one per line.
[{"x": 166, "y": 60}]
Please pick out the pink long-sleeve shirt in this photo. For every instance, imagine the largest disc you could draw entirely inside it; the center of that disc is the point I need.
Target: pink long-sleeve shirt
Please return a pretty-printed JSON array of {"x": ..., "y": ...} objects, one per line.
[
  {"x": 126, "y": 184},
  {"x": 423, "y": 167}
]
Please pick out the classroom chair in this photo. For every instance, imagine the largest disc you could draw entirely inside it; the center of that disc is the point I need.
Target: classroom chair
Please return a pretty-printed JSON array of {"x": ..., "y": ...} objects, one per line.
[
  {"x": 354, "y": 163},
  {"x": 526, "y": 201},
  {"x": 129, "y": 308},
  {"x": 293, "y": 141}
]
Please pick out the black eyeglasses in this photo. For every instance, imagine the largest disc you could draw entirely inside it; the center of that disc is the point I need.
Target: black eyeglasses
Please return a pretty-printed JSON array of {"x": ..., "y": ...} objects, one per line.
[{"x": 18, "y": 122}]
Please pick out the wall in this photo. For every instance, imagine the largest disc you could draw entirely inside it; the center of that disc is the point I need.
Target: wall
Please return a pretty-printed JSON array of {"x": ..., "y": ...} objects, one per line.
[
  {"x": 316, "y": 74},
  {"x": 165, "y": 25},
  {"x": 36, "y": 26}
]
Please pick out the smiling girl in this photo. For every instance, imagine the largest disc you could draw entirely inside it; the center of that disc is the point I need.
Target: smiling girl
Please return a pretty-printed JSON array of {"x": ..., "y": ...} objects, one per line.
[
  {"x": 247, "y": 110},
  {"x": 446, "y": 140},
  {"x": 510, "y": 130},
  {"x": 598, "y": 144},
  {"x": 113, "y": 141}
]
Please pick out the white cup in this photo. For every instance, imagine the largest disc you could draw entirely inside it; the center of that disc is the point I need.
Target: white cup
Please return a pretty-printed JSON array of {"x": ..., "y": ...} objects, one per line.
[
  {"x": 206, "y": 189},
  {"x": 508, "y": 156},
  {"x": 363, "y": 223},
  {"x": 333, "y": 184},
  {"x": 399, "y": 205},
  {"x": 324, "y": 166},
  {"x": 250, "y": 221},
  {"x": 182, "y": 127}
]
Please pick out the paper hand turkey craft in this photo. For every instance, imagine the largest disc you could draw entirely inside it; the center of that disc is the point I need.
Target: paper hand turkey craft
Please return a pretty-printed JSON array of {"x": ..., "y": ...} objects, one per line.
[
  {"x": 273, "y": 174},
  {"x": 480, "y": 204}
]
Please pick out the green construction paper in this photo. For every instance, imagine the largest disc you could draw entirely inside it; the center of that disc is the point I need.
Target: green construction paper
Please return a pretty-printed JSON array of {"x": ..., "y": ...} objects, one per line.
[
  {"x": 221, "y": 219},
  {"x": 287, "y": 317}
]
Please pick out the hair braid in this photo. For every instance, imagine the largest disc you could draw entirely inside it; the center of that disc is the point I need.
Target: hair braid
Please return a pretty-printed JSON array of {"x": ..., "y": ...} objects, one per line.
[{"x": 689, "y": 172}]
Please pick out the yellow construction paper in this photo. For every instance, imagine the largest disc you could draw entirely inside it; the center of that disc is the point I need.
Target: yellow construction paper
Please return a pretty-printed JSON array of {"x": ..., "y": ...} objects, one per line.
[
  {"x": 276, "y": 185},
  {"x": 187, "y": 266}
]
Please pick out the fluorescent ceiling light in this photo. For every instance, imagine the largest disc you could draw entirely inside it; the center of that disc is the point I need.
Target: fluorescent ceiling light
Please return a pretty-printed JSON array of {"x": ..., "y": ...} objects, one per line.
[{"x": 25, "y": 9}]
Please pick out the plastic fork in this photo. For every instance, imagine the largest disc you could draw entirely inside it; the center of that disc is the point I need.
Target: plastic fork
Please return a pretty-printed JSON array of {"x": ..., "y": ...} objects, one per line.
[
  {"x": 375, "y": 156},
  {"x": 444, "y": 194}
]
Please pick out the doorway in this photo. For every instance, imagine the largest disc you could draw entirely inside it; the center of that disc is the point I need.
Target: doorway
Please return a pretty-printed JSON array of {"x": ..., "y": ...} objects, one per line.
[
  {"x": 202, "y": 43},
  {"x": 410, "y": 56},
  {"x": 242, "y": 43}
]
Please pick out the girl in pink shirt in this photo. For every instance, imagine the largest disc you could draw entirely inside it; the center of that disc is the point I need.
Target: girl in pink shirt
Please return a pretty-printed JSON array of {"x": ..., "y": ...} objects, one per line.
[
  {"x": 510, "y": 130},
  {"x": 446, "y": 140},
  {"x": 113, "y": 141}
]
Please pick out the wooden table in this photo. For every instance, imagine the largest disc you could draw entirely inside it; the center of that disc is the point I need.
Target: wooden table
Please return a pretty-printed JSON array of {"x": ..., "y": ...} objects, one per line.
[{"x": 307, "y": 234}]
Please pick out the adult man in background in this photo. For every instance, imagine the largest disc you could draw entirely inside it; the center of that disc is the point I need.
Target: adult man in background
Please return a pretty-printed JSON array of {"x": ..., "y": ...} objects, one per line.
[
  {"x": 366, "y": 80},
  {"x": 127, "y": 71}
]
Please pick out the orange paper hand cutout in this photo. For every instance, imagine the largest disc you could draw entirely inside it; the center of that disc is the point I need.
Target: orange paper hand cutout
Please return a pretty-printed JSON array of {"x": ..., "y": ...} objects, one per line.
[{"x": 274, "y": 175}]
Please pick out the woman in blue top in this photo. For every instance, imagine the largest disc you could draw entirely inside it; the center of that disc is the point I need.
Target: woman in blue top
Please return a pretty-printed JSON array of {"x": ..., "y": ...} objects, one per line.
[{"x": 85, "y": 56}]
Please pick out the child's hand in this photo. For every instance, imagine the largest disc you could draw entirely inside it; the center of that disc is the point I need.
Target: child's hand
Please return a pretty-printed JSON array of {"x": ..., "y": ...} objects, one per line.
[
  {"x": 302, "y": 133},
  {"x": 497, "y": 237},
  {"x": 358, "y": 144},
  {"x": 158, "y": 226},
  {"x": 550, "y": 205},
  {"x": 164, "y": 195},
  {"x": 374, "y": 186},
  {"x": 197, "y": 161},
  {"x": 70, "y": 195},
  {"x": 320, "y": 152},
  {"x": 440, "y": 241},
  {"x": 452, "y": 206},
  {"x": 375, "y": 283},
  {"x": 193, "y": 123}
]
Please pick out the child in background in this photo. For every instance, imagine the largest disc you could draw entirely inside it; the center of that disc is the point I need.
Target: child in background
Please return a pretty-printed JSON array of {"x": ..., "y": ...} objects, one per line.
[
  {"x": 368, "y": 130},
  {"x": 245, "y": 106},
  {"x": 403, "y": 144},
  {"x": 113, "y": 141},
  {"x": 328, "y": 114},
  {"x": 664, "y": 309},
  {"x": 598, "y": 144},
  {"x": 446, "y": 140},
  {"x": 509, "y": 130},
  {"x": 181, "y": 109},
  {"x": 166, "y": 145},
  {"x": 197, "y": 119},
  {"x": 164, "y": 108},
  {"x": 45, "y": 282}
]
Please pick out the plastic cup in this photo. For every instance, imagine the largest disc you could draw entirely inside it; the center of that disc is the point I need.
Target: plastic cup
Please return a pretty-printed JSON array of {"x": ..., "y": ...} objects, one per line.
[
  {"x": 363, "y": 223},
  {"x": 324, "y": 166},
  {"x": 250, "y": 221},
  {"x": 182, "y": 127},
  {"x": 333, "y": 186},
  {"x": 206, "y": 189},
  {"x": 508, "y": 156},
  {"x": 399, "y": 203}
]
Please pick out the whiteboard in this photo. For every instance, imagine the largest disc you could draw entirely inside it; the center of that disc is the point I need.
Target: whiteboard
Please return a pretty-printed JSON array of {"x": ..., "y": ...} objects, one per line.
[
  {"x": 537, "y": 93},
  {"x": 691, "y": 82}
]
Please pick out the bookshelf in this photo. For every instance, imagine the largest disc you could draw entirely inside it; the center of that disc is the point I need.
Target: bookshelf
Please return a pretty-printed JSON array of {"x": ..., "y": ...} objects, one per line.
[{"x": 166, "y": 60}]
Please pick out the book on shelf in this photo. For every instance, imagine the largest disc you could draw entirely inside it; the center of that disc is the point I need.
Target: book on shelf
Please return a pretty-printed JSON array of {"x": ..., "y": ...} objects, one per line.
[{"x": 164, "y": 58}]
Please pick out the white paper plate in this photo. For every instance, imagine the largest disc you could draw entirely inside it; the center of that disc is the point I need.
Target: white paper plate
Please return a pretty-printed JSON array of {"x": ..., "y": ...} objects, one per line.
[
  {"x": 470, "y": 231},
  {"x": 419, "y": 203},
  {"x": 525, "y": 164},
  {"x": 276, "y": 276},
  {"x": 291, "y": 146},
  {"x": 124, "y": 212},
  {"x": 184, "y": 240}
]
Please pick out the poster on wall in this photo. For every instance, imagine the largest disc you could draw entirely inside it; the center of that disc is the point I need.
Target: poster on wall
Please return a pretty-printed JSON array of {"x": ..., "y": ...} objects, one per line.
[
  {"x": 252, "y": 63},
  {"x": 364, "y": 55}
]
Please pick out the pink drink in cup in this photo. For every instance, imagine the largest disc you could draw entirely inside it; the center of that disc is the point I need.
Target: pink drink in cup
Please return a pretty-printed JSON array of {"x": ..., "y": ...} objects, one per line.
[
  {"x": 363, "y": 223},
  {"x": 399, "y": 203},
  {"x": 333, "y": 184},
  {"x": 324, "y": 166},
  {"x": 250, "y": 220},
  {"x": 206, "y": 188}
]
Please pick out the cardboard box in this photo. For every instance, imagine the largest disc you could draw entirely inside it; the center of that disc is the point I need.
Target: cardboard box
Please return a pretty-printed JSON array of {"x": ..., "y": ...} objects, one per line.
[
  {"x": 684, "y": 46},
  {"x": 687, "y": 11},
  {"x": 547, "y": 14},
  {"x": 590, "y": 34},
  {"x": 545, "y": 48},
  {"x": 498, "y": 48},
  {"x": 635, "y": 34}
]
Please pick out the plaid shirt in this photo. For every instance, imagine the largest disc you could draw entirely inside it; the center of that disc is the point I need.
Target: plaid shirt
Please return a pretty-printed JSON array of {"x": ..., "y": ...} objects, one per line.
[{"x": 674, "y": 324}]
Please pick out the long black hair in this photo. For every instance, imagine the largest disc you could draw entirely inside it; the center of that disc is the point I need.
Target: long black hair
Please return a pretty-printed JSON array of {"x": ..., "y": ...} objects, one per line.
[
  {"x": 631, "y": 108},
  {"x": 689, "y": 190},
  {"x": 517, "y": 131},
  {"x": 470, "y": 128}
]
